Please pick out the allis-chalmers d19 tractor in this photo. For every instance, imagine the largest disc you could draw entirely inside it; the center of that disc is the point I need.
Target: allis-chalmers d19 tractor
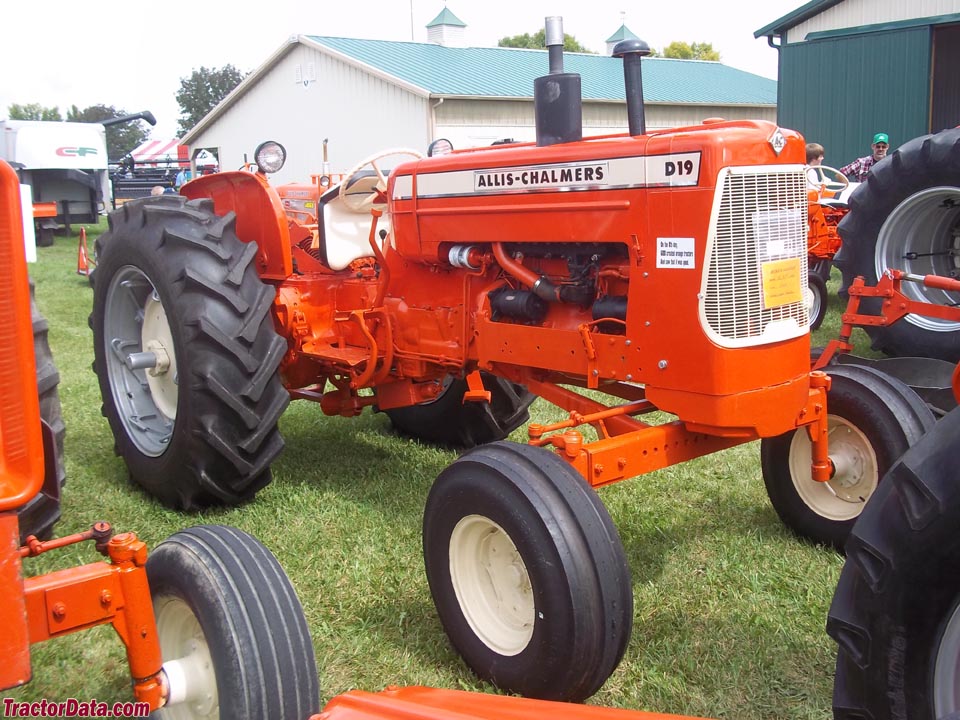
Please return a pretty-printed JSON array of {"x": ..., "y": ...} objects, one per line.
[{"x": 662, "y": 271}]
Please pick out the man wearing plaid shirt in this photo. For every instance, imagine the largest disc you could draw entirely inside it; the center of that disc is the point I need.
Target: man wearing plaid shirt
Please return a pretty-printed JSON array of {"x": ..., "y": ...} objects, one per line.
[{"x": 860, "y": 168}]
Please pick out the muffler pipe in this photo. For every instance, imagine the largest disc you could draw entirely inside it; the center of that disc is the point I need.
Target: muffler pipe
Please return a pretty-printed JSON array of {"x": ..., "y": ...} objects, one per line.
[{"x": 557, "y": 104}]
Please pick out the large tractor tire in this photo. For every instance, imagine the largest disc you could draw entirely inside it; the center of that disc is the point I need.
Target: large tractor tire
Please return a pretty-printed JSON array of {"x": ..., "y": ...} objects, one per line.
[
  {"x": 872, "y": 420},
  {"x": 896, "y": 611},
  {"x": 186, "y": 353},
  {"x": 527, "y": 572},
  {"x": 42, "y": 511},
  {"x": 907, "y": 216},
  {"x": 449, "y": 421},
  {"x": 233, "y": 637}
]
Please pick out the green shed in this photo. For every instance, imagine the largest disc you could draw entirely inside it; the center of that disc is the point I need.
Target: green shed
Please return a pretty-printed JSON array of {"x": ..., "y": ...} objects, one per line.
[{"x": 852, "y": 68}]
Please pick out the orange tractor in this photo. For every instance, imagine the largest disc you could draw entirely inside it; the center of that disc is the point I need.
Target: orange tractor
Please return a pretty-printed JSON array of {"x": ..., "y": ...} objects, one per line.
[
  {"x": 827, "y": 192},
  {"x": 611, "y": 276}
]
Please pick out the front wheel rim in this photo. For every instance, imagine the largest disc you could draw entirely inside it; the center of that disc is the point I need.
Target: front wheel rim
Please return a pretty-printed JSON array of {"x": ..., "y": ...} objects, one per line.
[
  {"x": 814, "y": 302},
  {"x": 183, "y": 643},
  {"x": 855, "y": 477},
  {"x": 135, "y": 324},
  {"x": 946, "y": 675},
  {"x": 492, "y": 585}
]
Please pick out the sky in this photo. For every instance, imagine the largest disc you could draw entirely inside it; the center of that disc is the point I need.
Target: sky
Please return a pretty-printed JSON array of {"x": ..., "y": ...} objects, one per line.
[{"x": 133, "y": 55}]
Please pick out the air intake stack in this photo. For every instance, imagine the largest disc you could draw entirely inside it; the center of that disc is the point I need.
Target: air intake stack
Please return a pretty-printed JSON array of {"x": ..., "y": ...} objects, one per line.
[
  {"x": 631, "y": 51},
  {"x": 556, "y": 97}
]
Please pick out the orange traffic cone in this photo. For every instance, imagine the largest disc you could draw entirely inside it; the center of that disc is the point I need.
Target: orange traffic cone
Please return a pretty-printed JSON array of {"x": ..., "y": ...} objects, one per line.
[{"x": 83, "y": 260}]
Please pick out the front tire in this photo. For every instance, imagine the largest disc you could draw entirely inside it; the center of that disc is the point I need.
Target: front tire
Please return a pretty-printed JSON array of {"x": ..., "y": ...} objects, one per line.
[
  {"x": 873, "y": 419},
  {"x": 907, "y": 216},
  {"x": 527, "y": 572},
  {"x": 232, "y": 633},
  {"x": 896, "y": 611},
  {"x": 186, "y": 353},
  {"x": 449, "y": 421},
  {"x": 818, "y": 300}
]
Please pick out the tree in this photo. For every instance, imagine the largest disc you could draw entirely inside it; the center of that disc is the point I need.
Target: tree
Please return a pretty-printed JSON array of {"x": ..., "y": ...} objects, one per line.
[
  {"x": 538, "y": 41},
  {"x": 121, "y": 138},
  {"x": 680, "y": 50},
  {"x": 33, "y": 111},
  {"x": 203, "y": 90}
]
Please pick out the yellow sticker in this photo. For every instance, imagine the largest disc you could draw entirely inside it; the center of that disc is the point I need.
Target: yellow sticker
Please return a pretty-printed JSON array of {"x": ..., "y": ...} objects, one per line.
[
  {"x": 781, "y": 283},
  {"x": 308, "y": 204}
]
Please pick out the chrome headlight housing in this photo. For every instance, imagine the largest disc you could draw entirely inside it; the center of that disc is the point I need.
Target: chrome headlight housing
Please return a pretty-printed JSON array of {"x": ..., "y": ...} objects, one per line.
[{"x": 270, "y": 156}]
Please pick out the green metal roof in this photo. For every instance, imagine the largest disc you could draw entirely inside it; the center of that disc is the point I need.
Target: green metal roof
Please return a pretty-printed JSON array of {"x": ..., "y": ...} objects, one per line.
[
  {"x": 622, "y": 34},
  {"x": 446, "y": 18},
  {"x": 795, "y": 17},
  {"x": 509, "y": 73}
]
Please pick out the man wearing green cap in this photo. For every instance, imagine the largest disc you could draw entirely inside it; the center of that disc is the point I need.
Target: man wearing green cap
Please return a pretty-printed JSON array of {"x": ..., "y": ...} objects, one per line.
[{"x": 860, "y": 168}]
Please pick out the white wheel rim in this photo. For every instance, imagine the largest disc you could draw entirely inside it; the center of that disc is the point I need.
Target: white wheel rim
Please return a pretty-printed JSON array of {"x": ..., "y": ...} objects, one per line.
[
  {"x": 155, "y": 336},
  {"x": 856, "y": 471},
  {"x": 129, "y": 296},
  {"x": 925, "y": 223},
  {"x": 814, "y": 300},
  {"x": 492, "y": 585},
  {"x": 183, "y": 642},
  {"x": 946, "y": 674}
]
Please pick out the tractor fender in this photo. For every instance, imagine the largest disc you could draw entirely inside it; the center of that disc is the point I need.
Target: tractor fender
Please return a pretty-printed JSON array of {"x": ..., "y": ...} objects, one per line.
[{"x": 260, "y": 216}]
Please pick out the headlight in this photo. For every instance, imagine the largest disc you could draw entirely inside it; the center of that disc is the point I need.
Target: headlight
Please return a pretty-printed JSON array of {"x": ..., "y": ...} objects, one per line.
[{"x": 270, "y": 156}]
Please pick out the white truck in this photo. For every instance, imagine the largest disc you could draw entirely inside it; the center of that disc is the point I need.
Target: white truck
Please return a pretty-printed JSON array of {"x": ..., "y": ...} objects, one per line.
[{"x": 63, "y": 163}]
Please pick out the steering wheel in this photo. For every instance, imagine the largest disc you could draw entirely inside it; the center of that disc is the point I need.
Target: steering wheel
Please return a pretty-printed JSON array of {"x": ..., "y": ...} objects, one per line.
[
  {"x": 358, "y": 192},
  {"x": 836, "y": 185}
]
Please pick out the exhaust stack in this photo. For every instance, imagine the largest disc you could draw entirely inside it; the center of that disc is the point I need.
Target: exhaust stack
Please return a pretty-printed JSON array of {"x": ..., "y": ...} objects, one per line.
[
  {"x": 631, "y": 51},
  {"x": 556, "y": 97},
  {"x": 145, "y": 115}
]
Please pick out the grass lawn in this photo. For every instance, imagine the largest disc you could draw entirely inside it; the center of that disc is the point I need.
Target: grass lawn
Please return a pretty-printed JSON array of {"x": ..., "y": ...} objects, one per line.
[{"x": 729, "y": 606}]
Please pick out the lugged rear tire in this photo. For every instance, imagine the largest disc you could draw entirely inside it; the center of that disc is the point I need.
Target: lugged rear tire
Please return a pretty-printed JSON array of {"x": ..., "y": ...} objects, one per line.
[
  {"x": 907, "y": 216},
  {"x": 228, "y": 615},
  {"x": 449, "y": 421},
  {"x": 174, "y": 280},
  {"x": 896, "y": 611},
  {"x": 42, "y": 511}
]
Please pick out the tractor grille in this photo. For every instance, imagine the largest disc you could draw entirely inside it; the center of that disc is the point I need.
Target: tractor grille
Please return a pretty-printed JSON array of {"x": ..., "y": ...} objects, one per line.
[{"x": 755, "y": 286}]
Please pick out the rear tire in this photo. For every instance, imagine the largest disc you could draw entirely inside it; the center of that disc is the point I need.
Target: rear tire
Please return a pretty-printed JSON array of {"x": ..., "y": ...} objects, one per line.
[
  {"x": 227, "y": 613},
  {"x": 449, "y": 421},
  {"x": 896, "y": 611},
  {"x": 42, "y": 511},
  {"x": 175, "y": 283},
  {"x": 527, "y": 572},
  {"x": 909, "y": 205},
  {"x": 873, "y": 420}
]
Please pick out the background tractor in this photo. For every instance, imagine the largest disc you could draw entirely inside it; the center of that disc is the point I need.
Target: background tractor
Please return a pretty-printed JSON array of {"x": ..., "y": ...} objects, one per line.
[
  {"x": 650, "y": 285},
  {"x": 907, "y": 216}
]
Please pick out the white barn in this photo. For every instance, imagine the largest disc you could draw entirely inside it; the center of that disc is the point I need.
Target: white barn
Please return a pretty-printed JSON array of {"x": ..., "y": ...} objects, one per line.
[{"x": 368, "y": 95}]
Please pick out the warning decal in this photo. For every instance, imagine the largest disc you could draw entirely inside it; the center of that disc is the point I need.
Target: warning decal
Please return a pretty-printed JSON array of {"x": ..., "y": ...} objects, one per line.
[
  {"x": 781, "y": 282},
  {"x": 676, "y": 253}
]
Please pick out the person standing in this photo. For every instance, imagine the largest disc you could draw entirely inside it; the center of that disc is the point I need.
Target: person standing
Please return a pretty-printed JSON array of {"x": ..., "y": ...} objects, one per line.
[
  {"x": 860, "y": 168},
  {"x": 184, "y": 176}
]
